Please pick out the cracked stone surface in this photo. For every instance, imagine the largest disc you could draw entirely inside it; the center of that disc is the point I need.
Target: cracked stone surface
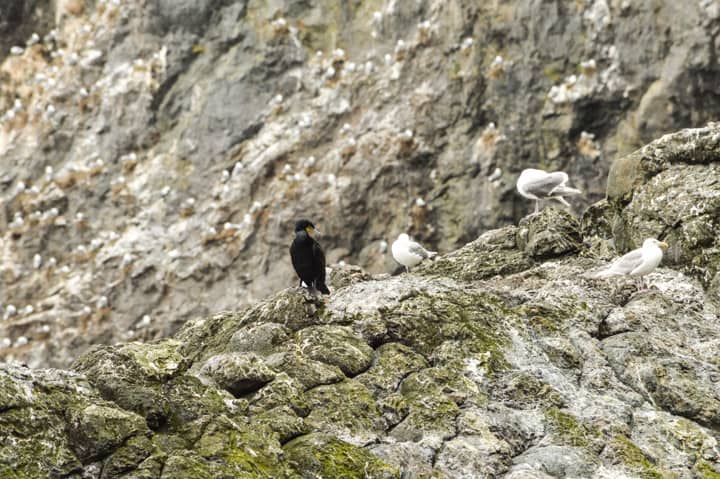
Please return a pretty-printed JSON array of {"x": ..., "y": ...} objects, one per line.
[
  {"x": 534, "y": 373},
  {"x": 154, "y": 154}
]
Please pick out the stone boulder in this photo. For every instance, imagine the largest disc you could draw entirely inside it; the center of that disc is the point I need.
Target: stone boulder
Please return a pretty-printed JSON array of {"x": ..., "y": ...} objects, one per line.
[{"x": 521, "y": 372}]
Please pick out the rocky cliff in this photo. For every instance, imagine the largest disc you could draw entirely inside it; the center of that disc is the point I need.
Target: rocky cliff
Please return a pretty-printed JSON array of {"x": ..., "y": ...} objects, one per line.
[
  {"x": 154, "y": 154},
  {"x": 498, "y": 360}
]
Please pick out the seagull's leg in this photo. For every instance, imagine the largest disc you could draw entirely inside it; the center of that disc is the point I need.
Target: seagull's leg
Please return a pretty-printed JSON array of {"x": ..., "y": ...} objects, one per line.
[
  {"x": 537, "y": 206},
  {"x": 407, "y": 269}
]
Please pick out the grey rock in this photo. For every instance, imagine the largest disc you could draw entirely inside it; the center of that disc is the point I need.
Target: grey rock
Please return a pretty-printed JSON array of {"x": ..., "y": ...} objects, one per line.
[
  {"x": 336, "y": 346},
  {"x": 261, "y": 338},
  {"x": 548, "y": 234},
  {"x": 140, "y": 108},
  {"x": 534, "y": 373},
  {"x": 239, "y": 374},
  {"x": 556, "y": 461}
]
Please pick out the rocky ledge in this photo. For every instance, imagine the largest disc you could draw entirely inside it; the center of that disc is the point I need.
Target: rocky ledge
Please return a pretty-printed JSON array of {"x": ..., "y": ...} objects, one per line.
[
  {"x": 500, "y": 359},
  {"x": 154, "y": 154}
]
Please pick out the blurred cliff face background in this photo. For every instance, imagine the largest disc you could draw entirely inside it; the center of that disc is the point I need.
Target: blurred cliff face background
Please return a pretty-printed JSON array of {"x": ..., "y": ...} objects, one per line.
[{"x": 154, "y": 154}]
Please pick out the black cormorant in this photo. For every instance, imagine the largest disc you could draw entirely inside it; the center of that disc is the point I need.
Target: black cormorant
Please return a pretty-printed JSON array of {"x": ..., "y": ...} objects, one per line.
[{"x": 308, "y": 258}]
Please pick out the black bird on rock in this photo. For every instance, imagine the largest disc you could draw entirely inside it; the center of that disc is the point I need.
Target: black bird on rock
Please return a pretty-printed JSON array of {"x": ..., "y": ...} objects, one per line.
[{"x": 308, "y": 258}]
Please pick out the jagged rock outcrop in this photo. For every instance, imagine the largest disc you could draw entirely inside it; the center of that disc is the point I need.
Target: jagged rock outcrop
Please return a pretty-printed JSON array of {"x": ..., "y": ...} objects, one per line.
[
  {"x": 669, "y": 189},
  {"x": 499, "y": 360},
  {"x": 154, "y": 154}
]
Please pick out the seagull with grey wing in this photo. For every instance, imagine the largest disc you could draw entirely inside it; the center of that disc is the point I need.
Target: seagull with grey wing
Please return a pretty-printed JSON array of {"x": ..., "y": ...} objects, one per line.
[
  {"x": 637, "y": 263},
  {"x": 540, "y": 185},
  {"x": 409, "y": 253}
]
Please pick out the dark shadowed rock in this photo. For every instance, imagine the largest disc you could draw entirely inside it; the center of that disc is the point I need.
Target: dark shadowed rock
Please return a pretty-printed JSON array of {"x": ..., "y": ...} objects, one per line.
[{"x": 548, "y": 234}]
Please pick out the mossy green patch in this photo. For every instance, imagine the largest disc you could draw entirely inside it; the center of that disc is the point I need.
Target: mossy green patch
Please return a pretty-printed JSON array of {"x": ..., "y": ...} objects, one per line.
[
  {"x": 337, "y": 346},
  {"x": 424, "y": 321},
  {"x": 283, "y": 421},
  {"x": 569, "y": 430},
  {"x": 521, "y": 389},
  {"x": 495, "y": 253},
  {"x": 161, "y": 360},
  {"x": 282, "y": 391},
  {"x": 705, "y": 470},
  {"x": 392, "y": 363},
  {"x": 97, "y": 430},
  {"x": 344, "y": 409},
  {"x": 632, "y": 456},
  {"x": 319, "y": 455},
  {"x": 12, "y": 394},
  {"x": 240, "y": 448},
  {"x": 446, "y": 380},
  {"x": 430, "y": 413}
]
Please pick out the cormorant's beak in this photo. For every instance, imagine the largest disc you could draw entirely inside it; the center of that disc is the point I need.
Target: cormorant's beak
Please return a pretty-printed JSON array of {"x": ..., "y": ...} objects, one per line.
[
  {"x": 663, "y": 244},
  {"x": 312, "y": 231}
]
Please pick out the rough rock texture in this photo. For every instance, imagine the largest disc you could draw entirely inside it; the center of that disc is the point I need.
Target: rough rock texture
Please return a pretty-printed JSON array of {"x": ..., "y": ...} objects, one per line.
[
  {"x": 500, "y": 360},
  {"x": 669, "y": 189},
  {"x": 19, "y": 19},
  {"x": 154, "y": 154}
]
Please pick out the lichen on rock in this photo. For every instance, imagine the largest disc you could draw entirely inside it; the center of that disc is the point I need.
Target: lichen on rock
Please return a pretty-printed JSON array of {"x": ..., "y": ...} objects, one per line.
[{"x": 500, "y": 359}]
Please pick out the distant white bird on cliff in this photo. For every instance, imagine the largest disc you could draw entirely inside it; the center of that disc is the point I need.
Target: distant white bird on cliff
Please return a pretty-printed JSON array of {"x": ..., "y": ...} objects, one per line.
[
  {"x": 409, "y": 253},
  {"x": 540, "y": 185},
  {"x": 637, "y": 263}
]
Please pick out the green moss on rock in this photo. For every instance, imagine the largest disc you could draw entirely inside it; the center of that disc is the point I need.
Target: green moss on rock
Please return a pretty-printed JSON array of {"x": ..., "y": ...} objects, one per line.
[
  {"x": 241, "y": 449},
  {"x": 705, "y": 470},
  {"x": 494, "y": 253},
  {"x": 282, "y": 391},
  {"x": 570, "y": 431},
  {"x": 635, "y": 459},
  {"x": 335, "y": 345},
  {"x": 393, "y": 362},
  {"x": 548, "y": 234},
  {"x": 306, "y": 371},
  {"x": 425, "y": 321},
  {"x": 320, "y": 455},
  {"x": 346, "y": 409},
  {"x": 283, "y": 421},
  {"x": 96, "y": 431},
  {"x": 237, "y": 373},
  {"x": 520, "y": 389}
]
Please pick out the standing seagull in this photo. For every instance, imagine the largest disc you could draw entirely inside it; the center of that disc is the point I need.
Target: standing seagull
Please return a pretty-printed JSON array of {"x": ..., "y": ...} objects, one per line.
[
  {"x": 409, "y": 253},
  {"x": 637, "y": 263},
  {"x": 540, "y": 185},
  {"x": 308, "y": 258}
]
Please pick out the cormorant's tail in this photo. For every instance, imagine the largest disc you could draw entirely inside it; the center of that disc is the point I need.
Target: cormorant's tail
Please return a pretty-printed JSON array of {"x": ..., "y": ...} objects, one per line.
[{"x": 322, "y": 288}]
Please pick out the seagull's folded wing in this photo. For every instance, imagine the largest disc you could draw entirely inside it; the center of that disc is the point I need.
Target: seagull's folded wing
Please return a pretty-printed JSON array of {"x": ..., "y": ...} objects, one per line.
[
  {"x": 416, "y": 249},
  {"x": 543, "y": 187},
  {"x": 628, "y": 262}
]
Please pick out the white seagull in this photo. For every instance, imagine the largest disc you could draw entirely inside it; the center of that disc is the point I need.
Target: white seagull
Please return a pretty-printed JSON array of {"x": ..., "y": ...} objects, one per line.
[
  {"x": 409, "y": 253},
  {"x": 540, "y": 185},
  {"x": 637, "y": 263}
]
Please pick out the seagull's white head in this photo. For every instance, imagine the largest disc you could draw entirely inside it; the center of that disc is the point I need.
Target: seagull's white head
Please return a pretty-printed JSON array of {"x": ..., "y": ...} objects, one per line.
[
  {"x": 403, "y": 237},
  {"x": 653, "y": 242}
]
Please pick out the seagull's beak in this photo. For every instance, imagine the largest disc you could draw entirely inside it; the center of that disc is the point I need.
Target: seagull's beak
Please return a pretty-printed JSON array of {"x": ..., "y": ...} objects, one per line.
[{"x": 663, "y": 244}]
